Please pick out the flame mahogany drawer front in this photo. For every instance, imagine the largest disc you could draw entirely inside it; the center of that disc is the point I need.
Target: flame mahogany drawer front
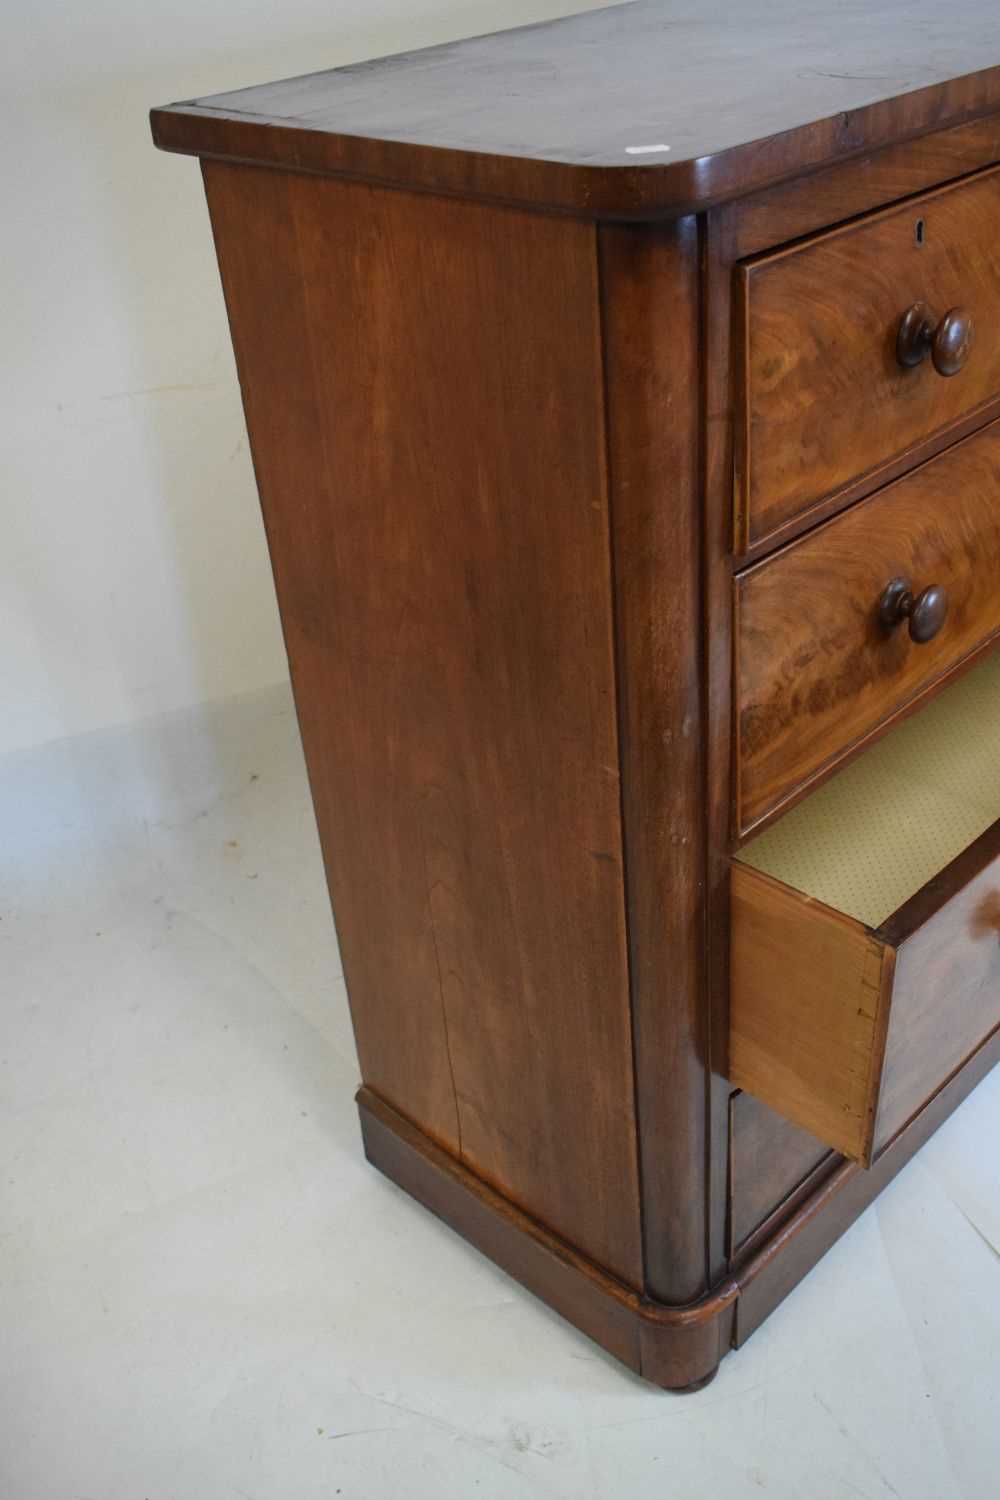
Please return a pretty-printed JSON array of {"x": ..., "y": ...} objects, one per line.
[
  {"x": 827, "y": 395},
  {"x": 824, "y": 656}
]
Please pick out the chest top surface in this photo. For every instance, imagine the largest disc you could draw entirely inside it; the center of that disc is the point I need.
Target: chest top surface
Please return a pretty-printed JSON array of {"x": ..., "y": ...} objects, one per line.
[{"x": 654, "y": 105}]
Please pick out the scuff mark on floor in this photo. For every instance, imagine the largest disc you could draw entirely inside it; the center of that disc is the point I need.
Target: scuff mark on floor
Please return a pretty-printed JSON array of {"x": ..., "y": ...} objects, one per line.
[{"x": 977, "y": 1231}]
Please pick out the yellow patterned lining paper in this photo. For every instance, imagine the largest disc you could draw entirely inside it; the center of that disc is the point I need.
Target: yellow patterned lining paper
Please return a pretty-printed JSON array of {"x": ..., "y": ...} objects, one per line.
[{"x": 880, "y": 829}]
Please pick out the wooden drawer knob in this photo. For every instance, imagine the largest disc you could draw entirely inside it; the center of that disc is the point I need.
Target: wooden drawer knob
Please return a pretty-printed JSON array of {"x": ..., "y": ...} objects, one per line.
[
  {"x": 926, "y": 611},
  {"x": 947, "y": 342}
]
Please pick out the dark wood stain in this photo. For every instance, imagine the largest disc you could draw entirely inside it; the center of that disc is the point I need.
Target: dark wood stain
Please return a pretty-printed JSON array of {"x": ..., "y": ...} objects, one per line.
[
  {"x": 816, "y": 669},
  {"x": 718, "y": 380},
  {"x": 445, "y": 594},
  {"x": 678, "y": 1348},
  {"x": 827, "y": 396},
  {"x": 947, "y": 990},
  {"x": 835, "y": 194},
  {"x": 649, "y": 280},
  {"x": 567, "y": 614},
  {"x": 770, "y": 1159},
  {"x": 743, "y": 97}
]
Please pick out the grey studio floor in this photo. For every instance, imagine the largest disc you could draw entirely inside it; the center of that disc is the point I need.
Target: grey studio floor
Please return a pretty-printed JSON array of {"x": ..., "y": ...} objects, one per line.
[{"x": 207, "y": 1293}]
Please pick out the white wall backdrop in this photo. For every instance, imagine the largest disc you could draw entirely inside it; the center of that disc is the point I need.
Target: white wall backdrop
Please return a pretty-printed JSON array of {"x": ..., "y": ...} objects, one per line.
[{"x": 133, "y": 573}]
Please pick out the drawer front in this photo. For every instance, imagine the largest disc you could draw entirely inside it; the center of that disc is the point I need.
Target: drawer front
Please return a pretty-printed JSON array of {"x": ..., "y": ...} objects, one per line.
[
  {"x": 826, "y": 400},
  {"x": 848, "y": 1032},
  {"x": 817, "y": 671},
  {"x": 946, "y": 994}
]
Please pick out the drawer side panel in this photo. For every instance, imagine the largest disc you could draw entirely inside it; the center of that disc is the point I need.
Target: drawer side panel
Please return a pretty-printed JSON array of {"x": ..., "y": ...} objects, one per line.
[{"x": 809, "y": 1008}]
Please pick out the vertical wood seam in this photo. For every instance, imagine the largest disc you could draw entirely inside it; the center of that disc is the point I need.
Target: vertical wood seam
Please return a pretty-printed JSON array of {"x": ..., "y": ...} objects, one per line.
[
  {"x": 701, "y": 522},
  {"x": 621, "y": 728},
  {"x": 718, "y": 350},
  {"x": 887, "y": 977},
  {"x": 666, "y": 1012}
]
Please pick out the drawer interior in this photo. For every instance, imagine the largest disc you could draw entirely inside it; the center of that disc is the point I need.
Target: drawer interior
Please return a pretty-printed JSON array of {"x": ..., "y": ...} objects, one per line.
[
  {"x": 869, "y": 839},
  {"x": 865, "y": 956}
]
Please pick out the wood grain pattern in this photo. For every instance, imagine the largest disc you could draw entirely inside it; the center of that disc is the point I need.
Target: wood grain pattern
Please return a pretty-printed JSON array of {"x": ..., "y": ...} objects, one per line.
[
  {"x": 423, "y": 393},
  {"x": 604, "y": 1309},
  {"x": 946, "y": 998},
  {"x": 816, "y": 673},
  {"x": 777, "y": 1266},
  {"x": 828, "y": 198},
  {"x": 677, "y": 1348},
  {"x": 861, "y": 489},
  {"x": 717, "y": 237},
  {"x": 847, "y": 1032},
  {"x": 743, "y": 97},
  {"x": 649, "y": 283},
  {"x": 809, "y": 1011},
  {"x": 770, "y": 1159},
  {"x": 826, "y": 398},
  {"x": 495, "y": 451}
]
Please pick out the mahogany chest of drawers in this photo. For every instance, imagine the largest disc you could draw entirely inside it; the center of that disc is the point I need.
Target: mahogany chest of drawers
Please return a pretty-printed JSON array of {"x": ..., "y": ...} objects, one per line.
[{"x": 623, "y": 395}]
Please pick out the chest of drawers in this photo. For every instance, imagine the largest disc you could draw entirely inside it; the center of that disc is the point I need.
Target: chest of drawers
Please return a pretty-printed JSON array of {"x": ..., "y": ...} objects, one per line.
[{"x": 622, "y": 394}]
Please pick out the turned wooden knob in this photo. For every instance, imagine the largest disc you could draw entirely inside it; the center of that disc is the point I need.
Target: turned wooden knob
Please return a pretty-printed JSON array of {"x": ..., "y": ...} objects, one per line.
[
  {"x": 926, "y": 611},
  {"x": 947, "y": 342}
]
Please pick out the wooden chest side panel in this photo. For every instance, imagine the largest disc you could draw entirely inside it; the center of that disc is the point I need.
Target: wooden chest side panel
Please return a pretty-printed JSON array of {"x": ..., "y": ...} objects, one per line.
[{"x": 422, "y": 383}]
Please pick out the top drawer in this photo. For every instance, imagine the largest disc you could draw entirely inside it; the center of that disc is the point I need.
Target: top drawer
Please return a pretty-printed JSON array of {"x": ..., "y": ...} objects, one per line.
[{"x": 826, "y": 399}]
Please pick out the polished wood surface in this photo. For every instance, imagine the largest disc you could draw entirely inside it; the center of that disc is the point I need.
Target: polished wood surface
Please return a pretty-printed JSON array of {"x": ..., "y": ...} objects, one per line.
[
  {"x": 717, "y": 628},
  {"x": 833, "y": 195},
  {"x": 445, "y": 593},
  {"x": 649, "y": 279},
  {"x": 826, "y": 397},
  {"x": 818, "y": 1063},
  {"x": 678, "y": 1348},
  {"x": 706, "y": 103},
  {"x": 945, "y": 341},
  {"x": 891, "y": 1014},
  {"x": 946, "y": 999},
  {"x": 816, "y": 670},
  {"x": 496, "y": 449},
  {"x": 924, "y": 614},
  {"x": 770, "y": 1159}
]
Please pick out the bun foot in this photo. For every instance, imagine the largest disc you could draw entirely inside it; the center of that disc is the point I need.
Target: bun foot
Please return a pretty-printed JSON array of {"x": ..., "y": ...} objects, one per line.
[{"x": 696, "y": 1385}]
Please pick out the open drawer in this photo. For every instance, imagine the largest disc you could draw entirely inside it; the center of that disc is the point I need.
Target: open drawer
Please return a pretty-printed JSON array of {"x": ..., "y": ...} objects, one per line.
[{"x": 866, "y": 928}]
